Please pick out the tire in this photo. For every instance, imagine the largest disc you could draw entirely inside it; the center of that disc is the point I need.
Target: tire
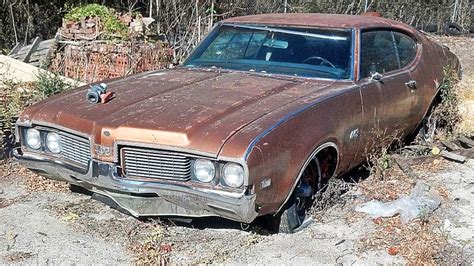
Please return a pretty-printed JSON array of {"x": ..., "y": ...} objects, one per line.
[
  {"x": 453, "y": 29},
  {"x": 290, "y": 220},
  {"x": 295, "y": 211},
  {"x": 431, "y": 28},
  {"x": 2, "y": 149},
  {"x": 78, "y": 189},
  {"x": 7, "y": 137},
  {"x": 426, "y": 129},
  {"x": 471, "y": 29}
]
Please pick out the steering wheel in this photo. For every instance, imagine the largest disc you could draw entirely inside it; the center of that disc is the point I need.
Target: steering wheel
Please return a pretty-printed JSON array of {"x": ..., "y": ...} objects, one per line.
[{"x": 324, "y": 61}]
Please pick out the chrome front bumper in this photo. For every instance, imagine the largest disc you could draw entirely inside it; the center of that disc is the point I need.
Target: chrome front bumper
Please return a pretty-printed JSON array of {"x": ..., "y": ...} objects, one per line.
[{"x": 141, "y": 198}]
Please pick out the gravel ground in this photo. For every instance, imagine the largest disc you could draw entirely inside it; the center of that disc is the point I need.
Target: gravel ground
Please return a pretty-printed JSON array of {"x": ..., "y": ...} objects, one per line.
[
  {"x": 43, "y": 222},
  {"x": 60, "y": 226}
]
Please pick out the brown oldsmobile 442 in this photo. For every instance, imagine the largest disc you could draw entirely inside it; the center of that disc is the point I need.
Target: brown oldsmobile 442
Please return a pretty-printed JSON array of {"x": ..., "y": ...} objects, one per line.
[{"x": 261, "y": 114}]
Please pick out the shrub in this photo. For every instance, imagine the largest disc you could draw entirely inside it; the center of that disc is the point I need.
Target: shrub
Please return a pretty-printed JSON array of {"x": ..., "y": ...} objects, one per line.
[
  {"x": 19, "y": 95},
  {"x": 446, "y": 114},
  {"x": 111, "y": 24}
]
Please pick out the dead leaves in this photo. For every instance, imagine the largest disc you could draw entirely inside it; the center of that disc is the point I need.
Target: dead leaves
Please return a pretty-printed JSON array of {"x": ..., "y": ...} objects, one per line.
[{"x": 418, "y": 242}]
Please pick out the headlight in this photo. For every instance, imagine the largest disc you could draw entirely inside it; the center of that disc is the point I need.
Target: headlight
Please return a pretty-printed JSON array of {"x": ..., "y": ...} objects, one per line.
[
  {"x": 33, "y": 138},
  {"x": 53, "y": 142},
  {"x": 204, "y": 170},
  {"x": 233, "y": 175}
]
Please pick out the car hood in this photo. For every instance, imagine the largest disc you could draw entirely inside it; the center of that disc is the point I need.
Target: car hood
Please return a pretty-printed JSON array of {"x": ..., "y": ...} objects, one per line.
[{"x": 190, "y": 109}]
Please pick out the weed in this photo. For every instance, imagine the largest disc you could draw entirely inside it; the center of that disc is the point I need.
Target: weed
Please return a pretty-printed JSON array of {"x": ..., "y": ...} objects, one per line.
[
  {"x": 17, "y": 96},
  {"x": 111, "y": 24},
  {"x": 330, "y": 195},
  {"x": 378, "y": 152},
  {"x": 152, "y": 249},
  {"x": 418, "y": 242},
  {"x": 446, "y": 114},
  {"x": 465, "y": 90},
  {"x": 48, "y": 84}
]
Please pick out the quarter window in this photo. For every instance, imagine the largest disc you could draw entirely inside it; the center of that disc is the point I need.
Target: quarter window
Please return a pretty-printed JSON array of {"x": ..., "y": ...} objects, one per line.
[{"x": 383, "y": 51}]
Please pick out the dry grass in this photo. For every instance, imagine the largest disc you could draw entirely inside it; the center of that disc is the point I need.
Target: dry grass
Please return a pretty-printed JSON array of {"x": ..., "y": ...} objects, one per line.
[
  {"x": 465, "y": 90},
  {"x": 425, "y": 168},
  {"x": 33, "y": 181},
  {"x": 16, "y": 257},
  {"x": 394, "y": 185},
  {"x": 419, "y": 242},
  {"x": 149, "y": 248},
  {"x": 7, "y": 202}
]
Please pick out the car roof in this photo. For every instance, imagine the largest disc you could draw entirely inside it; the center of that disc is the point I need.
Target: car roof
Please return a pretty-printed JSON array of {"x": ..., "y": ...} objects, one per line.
[{"x": 320, "y": 20}]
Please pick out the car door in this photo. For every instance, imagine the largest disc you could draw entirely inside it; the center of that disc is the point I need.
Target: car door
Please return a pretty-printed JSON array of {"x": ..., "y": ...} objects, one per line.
[
  {"x": 388, "y": 100},
  {"x": 410, "y": 52}
]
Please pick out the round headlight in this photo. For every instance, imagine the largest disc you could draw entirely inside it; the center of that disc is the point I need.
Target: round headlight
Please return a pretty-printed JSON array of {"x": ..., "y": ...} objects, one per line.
[
  {"x": 233, "y": 175},
  {"x": 204, "y": 170},
  {"x": 33, "y": 138},
  {"x": 53, "y": 142}
]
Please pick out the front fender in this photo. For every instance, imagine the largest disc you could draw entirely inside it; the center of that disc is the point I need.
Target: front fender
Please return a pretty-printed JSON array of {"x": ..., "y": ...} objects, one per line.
[{"x": 280, "y": 143}]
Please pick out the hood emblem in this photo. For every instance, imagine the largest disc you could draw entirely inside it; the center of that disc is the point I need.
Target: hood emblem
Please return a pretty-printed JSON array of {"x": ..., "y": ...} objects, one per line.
[{"x": 99, "y": 93}]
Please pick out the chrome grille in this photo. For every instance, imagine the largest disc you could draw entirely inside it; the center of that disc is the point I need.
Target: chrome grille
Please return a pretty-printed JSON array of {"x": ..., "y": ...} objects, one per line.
[
  {"x": 155, "y": 164},
  {"x": 76, "y": 149}
]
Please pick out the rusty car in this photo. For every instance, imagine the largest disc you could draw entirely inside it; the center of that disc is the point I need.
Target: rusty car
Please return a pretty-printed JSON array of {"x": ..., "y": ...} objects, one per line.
[{"x": 264, "y": 111}]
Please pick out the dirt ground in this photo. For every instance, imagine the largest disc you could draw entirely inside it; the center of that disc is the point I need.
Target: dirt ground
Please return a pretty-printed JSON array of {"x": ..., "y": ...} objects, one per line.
[{"x": 44, "y": 222}]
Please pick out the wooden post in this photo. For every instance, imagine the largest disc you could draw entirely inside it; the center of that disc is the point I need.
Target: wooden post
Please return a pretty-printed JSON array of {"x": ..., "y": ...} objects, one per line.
[{"x": 33, "y": 46}]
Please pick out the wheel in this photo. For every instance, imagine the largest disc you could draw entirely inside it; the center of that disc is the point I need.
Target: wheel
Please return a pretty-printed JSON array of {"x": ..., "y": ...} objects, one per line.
[
  {"x": 453, "y": 29},
  {"x": 431, "y": 28},
  {"x": 426, "y": 129},
  {"x": 296, "y": 210}
]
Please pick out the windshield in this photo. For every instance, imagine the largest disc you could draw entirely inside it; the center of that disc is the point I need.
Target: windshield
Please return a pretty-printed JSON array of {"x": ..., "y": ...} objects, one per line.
[{"x": 304, "y": 52}]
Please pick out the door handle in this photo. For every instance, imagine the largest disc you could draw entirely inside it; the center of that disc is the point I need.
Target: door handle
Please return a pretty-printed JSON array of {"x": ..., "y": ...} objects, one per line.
[{"x": 411, "y": 84}]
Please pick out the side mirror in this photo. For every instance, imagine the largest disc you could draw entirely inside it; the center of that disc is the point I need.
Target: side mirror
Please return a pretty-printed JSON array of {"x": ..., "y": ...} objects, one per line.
[{"x": 375, "y": 76}]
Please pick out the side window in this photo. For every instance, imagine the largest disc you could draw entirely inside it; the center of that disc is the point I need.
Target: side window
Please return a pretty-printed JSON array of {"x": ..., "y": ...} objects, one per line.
[
  {"x": 378, "y": 53},
  {"x": 406, "y": 47}
]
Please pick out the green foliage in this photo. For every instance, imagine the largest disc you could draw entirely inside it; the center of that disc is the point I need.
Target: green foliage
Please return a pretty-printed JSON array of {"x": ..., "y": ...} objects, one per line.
[
  {"x": 49, "y": 84},
  {"x": 91, "y": 10},
  {"x": 18, "y": 96},
  {"x": 111, "y": 24},
  {"x": 383, "y": 161}
]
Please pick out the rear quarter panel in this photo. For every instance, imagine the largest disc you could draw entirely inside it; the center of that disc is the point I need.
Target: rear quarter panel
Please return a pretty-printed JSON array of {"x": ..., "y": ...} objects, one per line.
[{"x": 435, "y": 61}]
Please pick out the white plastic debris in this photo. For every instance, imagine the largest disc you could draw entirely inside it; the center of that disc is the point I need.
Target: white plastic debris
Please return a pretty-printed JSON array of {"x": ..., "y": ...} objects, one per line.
[{"x": 422, "y": 201}]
